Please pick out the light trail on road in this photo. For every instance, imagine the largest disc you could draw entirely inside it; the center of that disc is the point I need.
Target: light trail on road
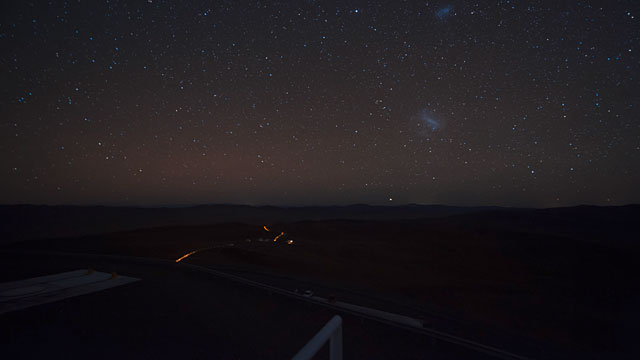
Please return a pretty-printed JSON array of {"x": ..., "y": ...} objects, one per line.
[{"x": 188, "y": 254}]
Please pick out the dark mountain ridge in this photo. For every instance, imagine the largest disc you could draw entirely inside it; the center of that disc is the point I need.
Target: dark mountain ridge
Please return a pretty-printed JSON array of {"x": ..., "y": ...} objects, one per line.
[{"x": 25, "y": 222}]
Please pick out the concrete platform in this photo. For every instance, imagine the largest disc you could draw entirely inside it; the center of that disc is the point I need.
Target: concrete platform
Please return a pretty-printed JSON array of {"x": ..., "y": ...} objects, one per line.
[{"x": 16, "y": 295}]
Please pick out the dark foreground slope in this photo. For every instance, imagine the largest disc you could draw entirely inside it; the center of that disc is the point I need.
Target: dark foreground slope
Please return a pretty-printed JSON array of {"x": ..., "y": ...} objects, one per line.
[
  {"x": 560, "y": 278},
  {"x": 176, "y": 313}
]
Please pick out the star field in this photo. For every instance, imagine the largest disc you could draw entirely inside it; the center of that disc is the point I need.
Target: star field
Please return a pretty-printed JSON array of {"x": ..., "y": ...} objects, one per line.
[{"x": 518, "y": 103}]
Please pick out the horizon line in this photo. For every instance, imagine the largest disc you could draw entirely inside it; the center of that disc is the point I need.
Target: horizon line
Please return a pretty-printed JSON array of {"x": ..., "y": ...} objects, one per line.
[{"x": 183, "y": 206}]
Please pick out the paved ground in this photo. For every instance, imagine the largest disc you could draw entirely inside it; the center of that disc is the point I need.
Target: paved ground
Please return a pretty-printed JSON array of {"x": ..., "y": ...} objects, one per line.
[
  {"x": 434, "y": 318},
  {"x": 177, "y": 312}
]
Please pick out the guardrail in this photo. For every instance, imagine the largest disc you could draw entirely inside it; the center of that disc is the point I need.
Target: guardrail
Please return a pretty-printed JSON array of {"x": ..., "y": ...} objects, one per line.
[{"x": 332, "y": 331}]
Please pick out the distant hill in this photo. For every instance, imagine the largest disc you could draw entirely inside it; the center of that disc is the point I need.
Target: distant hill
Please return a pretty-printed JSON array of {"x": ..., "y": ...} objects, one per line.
[
  {"x": 25, "y": 222},
  {"x": 615, "y": 225},
  {"x": 591, "y": 223}
]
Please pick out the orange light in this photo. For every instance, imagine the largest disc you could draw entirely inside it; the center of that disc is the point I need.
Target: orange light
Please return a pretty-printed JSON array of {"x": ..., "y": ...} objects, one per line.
[
  {"x": 187, "y": 255},
  {"x": 290, "y": 242},
  {"x": 278, "y": 237},
  {"x": 266, "y": 228}
]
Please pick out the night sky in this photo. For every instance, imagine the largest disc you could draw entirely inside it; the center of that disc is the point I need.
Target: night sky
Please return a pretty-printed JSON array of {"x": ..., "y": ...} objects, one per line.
[{"x": 516, "y": 103}]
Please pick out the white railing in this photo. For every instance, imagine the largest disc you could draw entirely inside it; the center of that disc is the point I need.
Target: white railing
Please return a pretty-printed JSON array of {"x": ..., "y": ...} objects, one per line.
[{"x": 332, "y": 331}]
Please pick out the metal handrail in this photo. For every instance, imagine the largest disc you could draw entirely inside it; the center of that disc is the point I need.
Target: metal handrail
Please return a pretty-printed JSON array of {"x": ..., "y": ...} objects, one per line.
[{"x": 332, "y": 331}]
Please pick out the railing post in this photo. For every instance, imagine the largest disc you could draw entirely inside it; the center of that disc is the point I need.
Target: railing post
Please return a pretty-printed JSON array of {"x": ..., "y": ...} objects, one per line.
[
  {"x": 331, "y": 332},
  {"x": 335, "y": 344}
]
